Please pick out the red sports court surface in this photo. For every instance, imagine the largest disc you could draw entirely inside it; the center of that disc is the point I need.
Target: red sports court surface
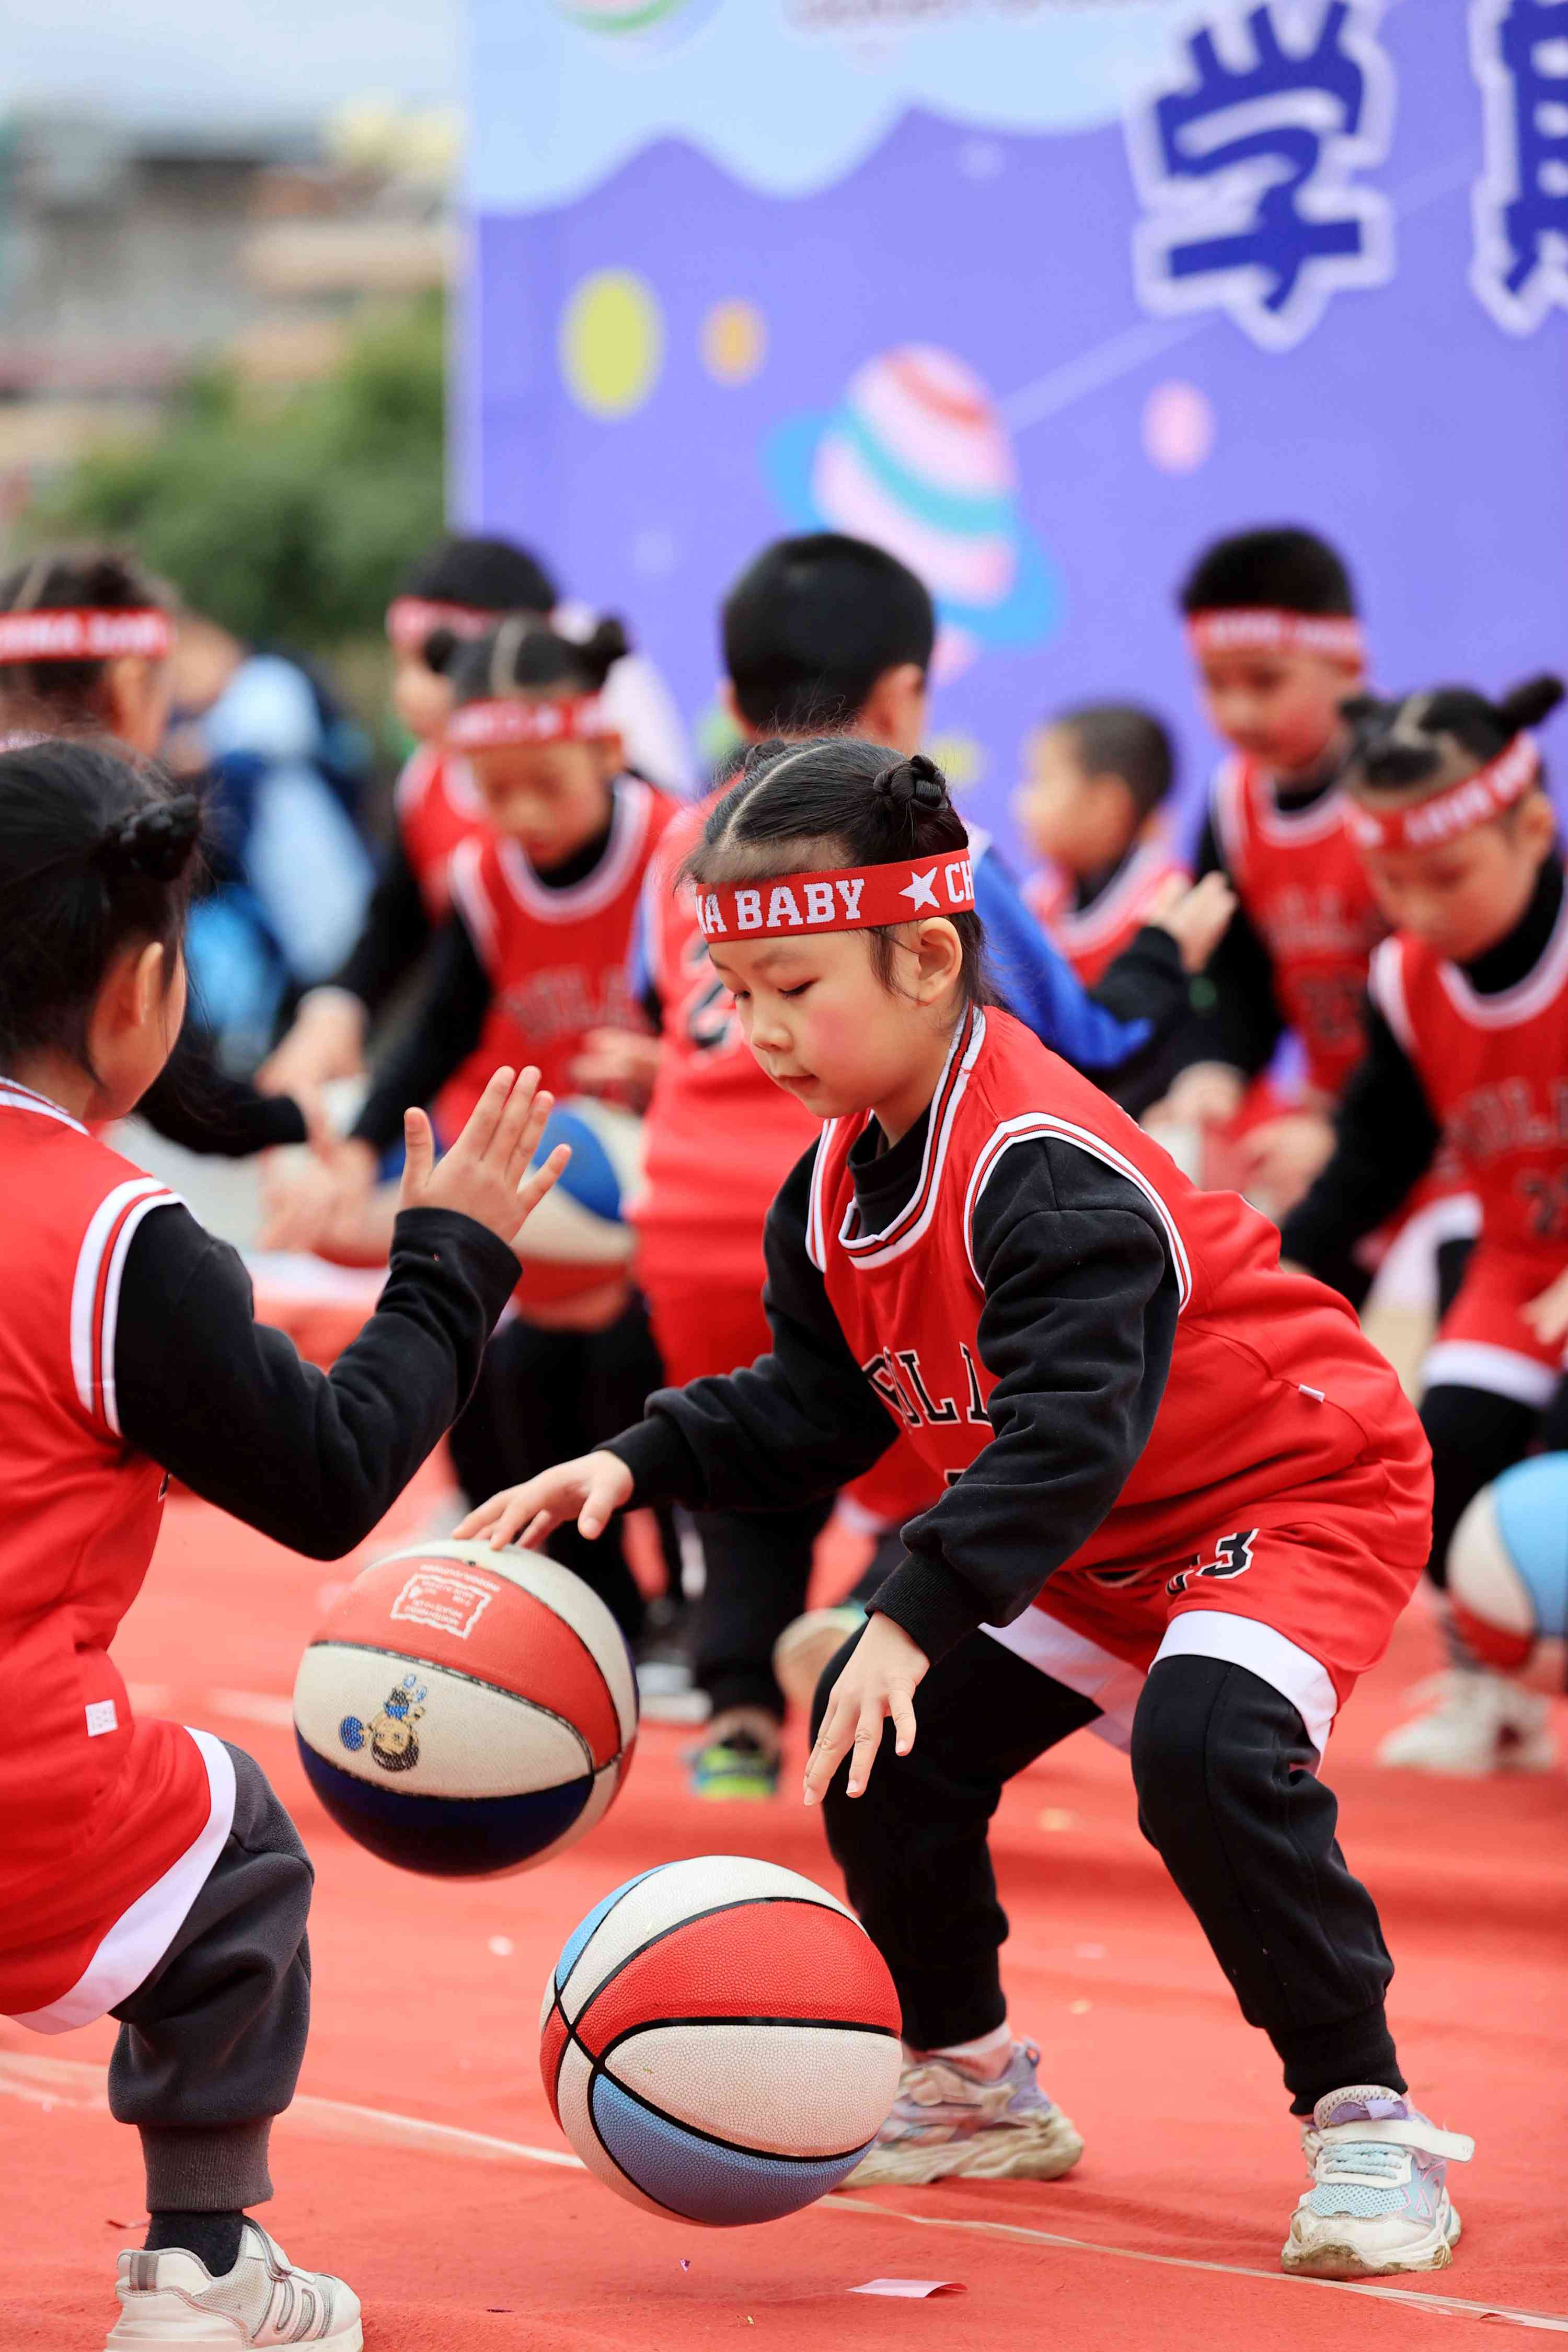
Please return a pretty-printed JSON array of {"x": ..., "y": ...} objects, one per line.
[{"x": 422, "y": 2163}]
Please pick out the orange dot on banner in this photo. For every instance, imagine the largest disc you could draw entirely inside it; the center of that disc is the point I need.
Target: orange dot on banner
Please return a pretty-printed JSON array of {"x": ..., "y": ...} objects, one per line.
[{"x": 734, "y": 341}]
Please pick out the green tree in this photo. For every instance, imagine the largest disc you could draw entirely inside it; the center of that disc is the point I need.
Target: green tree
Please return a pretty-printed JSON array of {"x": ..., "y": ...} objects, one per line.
[{"x": 286, "y": 517}]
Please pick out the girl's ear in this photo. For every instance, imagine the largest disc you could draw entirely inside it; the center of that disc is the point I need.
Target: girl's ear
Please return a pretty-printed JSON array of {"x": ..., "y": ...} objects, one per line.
[
  {"x": 939, "y": 952},
  {"x": 612, "y": 755},
  {"x": 1538, "y": 826}
]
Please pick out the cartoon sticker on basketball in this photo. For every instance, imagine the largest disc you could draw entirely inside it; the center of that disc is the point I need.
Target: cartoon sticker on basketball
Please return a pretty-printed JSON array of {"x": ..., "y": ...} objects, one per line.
[{"x": 390, "y": 1733}]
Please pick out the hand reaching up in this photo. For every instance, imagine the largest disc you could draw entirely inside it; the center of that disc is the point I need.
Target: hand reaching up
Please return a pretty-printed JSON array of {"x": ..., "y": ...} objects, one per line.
[
  {"x": 486, "y": 1174},
  {"x": 1196, "y": 915}
]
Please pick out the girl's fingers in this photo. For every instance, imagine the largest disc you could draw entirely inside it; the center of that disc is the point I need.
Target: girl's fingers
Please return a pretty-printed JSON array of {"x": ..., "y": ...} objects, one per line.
[
  {"x": 599, "y": 1503},
  {"x": 900, "y": 1707},
  {"x": 831, "y": 1742},
  {"x": 482, "y": 1517},
  {"x": 513, "y": 1118},
  {"x": 866, "y": 1740},
  {"x": 533, "y": 1188},
  {"x": 544, "y": 1523},
  {"x": 485, "y": 1116},
  {"x": 419, "y": 1153},
  {"x": 526, "y": 1141}
]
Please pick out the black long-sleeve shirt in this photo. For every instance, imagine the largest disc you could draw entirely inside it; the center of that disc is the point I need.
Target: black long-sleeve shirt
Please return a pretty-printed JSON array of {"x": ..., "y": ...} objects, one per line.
[
  {"x": 313, "y": 1459},
  {"x": 1387, "y": 1134},
  {"x": 1078, "y": 1327}
]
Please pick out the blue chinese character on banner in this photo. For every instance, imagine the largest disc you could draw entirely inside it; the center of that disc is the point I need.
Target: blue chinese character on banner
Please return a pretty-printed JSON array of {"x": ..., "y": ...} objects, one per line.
[
  {"x": 1520, "y": 51},
  {"x": 1247, "y": 168}
]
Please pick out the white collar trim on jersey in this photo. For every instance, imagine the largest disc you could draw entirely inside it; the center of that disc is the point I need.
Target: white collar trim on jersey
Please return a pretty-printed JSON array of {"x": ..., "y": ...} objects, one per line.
[
  {"x": 1526, "y": 997},
  {"x": 1088, "y": 927},
  {"x": 18, "y": 1098},
  {"x": 628, "y": 830},
  {"x": 864, "y": 1250}
]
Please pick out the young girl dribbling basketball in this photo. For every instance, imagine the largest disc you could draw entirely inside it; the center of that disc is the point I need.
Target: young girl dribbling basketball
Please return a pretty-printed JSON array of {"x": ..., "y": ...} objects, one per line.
[
  {"x": 147, "y": 1871},
  {"x": 1185, "y": 1499}
]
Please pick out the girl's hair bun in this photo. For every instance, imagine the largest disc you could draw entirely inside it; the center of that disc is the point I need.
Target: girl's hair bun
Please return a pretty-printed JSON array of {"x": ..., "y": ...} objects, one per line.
[
  {"x": 1527, "y": 704},
  {"x": 760, "y": 755},
  {"x": 916, "y": 783},
  {"x": 155, "y": 840},
  {"x": 600, "y": 652},
  {"x": 440, "y": 649}
]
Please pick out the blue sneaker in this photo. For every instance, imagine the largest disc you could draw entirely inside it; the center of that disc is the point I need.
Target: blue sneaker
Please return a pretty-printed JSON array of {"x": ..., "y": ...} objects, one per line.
[
  {"x": 1379, "y": 2199},
  {"x": 949, "y": 2120}
]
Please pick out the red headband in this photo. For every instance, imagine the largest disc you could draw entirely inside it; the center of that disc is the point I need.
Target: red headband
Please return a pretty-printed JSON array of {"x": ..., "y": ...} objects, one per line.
[
  {"x": 1473, "y": 801},
  {"x": 59, "y": 633},
  {"x": 856, "y": 899},
  {"x": 579, "y": 718},
  {"x": 1265, "y": 629},
  {"x": 411, "y": 619}
]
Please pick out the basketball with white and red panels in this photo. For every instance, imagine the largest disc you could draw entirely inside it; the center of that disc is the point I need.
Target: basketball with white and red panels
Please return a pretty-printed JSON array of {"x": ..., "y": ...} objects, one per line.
[
  {"x": 464, "y": 1712},
  {"x": 719, "y": 2041}
]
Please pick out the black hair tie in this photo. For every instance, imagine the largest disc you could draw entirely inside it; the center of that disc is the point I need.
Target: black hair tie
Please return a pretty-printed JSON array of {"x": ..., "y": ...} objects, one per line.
[
  {"x": 155, "y": 840},
  {"x": 912, "y": 783}
]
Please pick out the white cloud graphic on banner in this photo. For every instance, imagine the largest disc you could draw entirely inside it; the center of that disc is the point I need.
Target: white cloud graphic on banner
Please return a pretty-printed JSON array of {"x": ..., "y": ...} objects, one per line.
[{"x": 786, "y": 96}]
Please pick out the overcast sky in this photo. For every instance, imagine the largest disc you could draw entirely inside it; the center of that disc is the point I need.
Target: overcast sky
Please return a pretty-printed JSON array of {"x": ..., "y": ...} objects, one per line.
[{"x": 285, "y": 61}]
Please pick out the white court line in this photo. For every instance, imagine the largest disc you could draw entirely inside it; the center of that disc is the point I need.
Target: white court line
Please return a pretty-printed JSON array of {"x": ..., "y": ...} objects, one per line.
[{"x": 47, "y": 2081}]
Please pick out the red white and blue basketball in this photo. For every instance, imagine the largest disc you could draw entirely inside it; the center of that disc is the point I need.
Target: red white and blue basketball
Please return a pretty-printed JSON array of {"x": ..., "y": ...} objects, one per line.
[
  {"x": 719, "y": 2041},
  {"x": 1508, "y": 1570},
  {"x": 464, "y": 1712}
]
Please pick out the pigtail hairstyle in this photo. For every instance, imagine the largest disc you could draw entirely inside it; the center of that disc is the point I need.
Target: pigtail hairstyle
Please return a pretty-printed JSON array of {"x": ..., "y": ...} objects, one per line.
[
  {"x": 800, "y": 808},
  {"x": 63, "y": 694},
  {"x": 1424, "y": 742},
  {"x": 97, "y": 852}
]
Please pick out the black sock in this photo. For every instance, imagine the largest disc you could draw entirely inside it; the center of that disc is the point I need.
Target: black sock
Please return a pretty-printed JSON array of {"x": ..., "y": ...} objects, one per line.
[{"x": 213, "y": 2237}]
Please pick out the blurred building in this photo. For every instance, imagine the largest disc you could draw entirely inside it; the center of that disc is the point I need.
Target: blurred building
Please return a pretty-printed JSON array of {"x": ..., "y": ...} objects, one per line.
[{"x": 129, "y": 257}]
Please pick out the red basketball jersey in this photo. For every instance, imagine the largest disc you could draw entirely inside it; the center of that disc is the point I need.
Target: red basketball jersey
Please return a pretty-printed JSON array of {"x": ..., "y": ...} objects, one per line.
[
  {"x": 1092, "y": 938},
  {"x": 556, "y": 959},
  {"x": 1495, "y": 1072},
  {"x": 1275, "y": 1410},
  {"x": 708, "y": 1087},
  {"x": 99, "y": 1812},
  {"x": 439, "y": 807},
  {"x": 1301, "y": 882}
]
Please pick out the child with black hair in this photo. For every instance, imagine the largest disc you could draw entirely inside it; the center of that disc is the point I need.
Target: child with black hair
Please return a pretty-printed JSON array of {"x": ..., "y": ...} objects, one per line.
[
  {"x": 146, "y": 1871},
  {"x": 532, "y": 957},
  {"x": 1096, "y": 778},
  {"x": 1467, "y": 1047},
  {"x": 461, "y": 590},
  {"x": 1272, "y": 626},
  {"x": 1182, "y": 1499},
  {"x": 85, "y": 640},
  {"x": 820, "y": 631}
]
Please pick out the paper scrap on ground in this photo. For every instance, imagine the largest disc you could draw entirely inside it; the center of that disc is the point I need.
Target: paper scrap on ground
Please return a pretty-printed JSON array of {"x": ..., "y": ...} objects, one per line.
[{"x": 912, "y": 2287}]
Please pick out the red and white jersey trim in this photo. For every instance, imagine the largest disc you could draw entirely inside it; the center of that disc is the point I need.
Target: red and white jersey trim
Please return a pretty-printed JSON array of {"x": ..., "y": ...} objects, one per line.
[
  {"x": 1082, "y": 930},
  {"x": 434, "y": 763},
  {"x": 95, "y": 1293},
  {"x": 1510, "y": 1006},
  {"x": 139, "y": 1938},
  {"x": 628, "y": 836},
  {"x": 1285, "y": 826},
  {"x": 1031, "y": 1124},
  {"x": 1385, "y": 986},
  {"x": 16, "y": 1098},
  {"x": 463, "y": 875},
  {"x": 880, "y": 1249}
]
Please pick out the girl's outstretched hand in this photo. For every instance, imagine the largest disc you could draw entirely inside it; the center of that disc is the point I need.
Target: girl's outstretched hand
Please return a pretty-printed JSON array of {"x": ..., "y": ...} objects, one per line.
[
  {"x": 879, "y": 1681},
  {"x": 592, "y": 1490},
  {"x": 1197, "y": 916},
  {"x": 486, "y": 1174}
]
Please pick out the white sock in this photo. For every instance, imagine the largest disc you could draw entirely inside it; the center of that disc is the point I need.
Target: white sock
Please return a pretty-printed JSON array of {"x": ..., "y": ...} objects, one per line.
[{"x": 991, "y": 2051}]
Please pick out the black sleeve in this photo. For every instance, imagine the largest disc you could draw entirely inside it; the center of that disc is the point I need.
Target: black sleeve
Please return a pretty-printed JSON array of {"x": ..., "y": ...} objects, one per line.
[
  {"x": 1147, "y": 982},
  {"x": 313, "y": 1459},
  {"x": 1386, "y": 1138},
  {"x": 1238, "y": 1020},
  {"x": 801, "y": 1421},
  {"x": 396, "y": 933},
  {"x": 443, "y": 1033},
  {"x": 1078, "y": 1327},
  {"x": 194, "y": 1103}
]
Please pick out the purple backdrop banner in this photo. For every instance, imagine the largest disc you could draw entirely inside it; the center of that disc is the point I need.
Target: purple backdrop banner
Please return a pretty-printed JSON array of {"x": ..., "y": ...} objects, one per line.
[{"x": 1040, "y": 293}]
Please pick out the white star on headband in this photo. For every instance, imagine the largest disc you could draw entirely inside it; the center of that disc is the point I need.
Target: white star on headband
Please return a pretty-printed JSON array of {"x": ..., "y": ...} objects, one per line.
[{"x": 921, "y": 891}]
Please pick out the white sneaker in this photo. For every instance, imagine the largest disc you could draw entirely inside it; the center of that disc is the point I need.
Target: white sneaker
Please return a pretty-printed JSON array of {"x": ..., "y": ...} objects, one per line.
[
  {"x": 805, "y": 1647},
  {"x": 1481, "y": 1722},
  {"x": 1379, "y": 2200},
  {"x": 171, "y": 2300},
  {"x": 950, "y": 2120}
]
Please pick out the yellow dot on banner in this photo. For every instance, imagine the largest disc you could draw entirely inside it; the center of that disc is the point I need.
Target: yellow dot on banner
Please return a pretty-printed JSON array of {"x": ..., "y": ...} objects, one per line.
[
  {"x": 612, "y": 342},
  {"x": 960, "y": 759},
  {"x": 734, "y": 341}
]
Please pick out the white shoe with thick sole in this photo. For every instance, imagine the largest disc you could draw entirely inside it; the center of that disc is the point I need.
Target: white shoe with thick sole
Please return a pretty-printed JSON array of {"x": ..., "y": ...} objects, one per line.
[
  {"x": 1479, "y": 1722},
  {"x": 951, "y": 2122},
  {"x": 170, "y": 2302},
  {"x": 1379, "y": 2201}
]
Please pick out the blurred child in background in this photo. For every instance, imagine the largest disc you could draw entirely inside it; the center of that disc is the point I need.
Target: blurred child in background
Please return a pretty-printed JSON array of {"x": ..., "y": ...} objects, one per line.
[
  {"x": 1095, "y": 780},
  {"x": 1467, "y": 1046}
]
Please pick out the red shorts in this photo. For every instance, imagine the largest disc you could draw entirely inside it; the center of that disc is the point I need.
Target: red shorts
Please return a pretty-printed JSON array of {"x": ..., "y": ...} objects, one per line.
[
  {"x": 1306, "y": 1601},
  {"x": 1484, "y": 1341}
]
